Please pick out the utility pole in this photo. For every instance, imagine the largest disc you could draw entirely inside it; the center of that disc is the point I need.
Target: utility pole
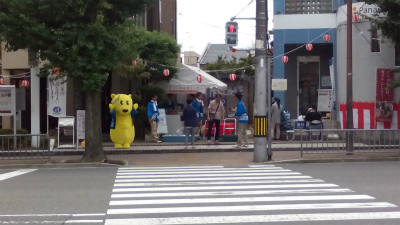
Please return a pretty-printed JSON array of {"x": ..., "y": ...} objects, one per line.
[
  {"x": 349, "y": 96},
  {"x": 260, "y": 119}
]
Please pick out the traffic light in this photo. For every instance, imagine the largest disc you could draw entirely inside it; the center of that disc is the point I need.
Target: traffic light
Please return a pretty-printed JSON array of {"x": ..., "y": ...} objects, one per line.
[{"x": 231, "y": 33}]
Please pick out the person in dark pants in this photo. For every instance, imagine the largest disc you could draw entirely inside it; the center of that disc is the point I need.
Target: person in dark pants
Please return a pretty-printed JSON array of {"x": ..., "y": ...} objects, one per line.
[
  {"x": 189, "y": 118},
  {"x": 215, "y": 114}
]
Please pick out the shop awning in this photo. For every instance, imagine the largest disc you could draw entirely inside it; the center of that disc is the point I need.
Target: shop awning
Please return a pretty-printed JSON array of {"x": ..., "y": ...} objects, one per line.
[{"x": 185, "y": 81}]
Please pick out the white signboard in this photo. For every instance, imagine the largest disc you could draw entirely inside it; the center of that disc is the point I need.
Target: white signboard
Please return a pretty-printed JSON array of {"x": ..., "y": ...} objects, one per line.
[
  {"x": 162, "y": 122},
  {"x": 279, "y": 84},
  {"x": 326, "y": 81},
  {"x": 325, "y": 98},
  {"x": 80, "y": 124},
  {"x": 57, "y": 96},
  {"x": 7, "y": 100}
]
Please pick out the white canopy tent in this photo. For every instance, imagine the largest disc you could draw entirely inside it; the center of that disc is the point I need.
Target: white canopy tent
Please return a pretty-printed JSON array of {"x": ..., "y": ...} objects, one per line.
[{"x": 185, "y": 81}]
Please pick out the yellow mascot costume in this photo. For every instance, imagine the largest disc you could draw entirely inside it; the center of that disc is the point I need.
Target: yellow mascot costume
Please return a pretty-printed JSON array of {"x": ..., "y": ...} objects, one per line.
[{"x": 122, "y": 110}]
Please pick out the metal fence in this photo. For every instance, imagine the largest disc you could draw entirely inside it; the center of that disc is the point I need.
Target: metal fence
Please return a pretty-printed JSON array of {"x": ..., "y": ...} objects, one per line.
[
  {"x": 24, "y": 146},
  {"x": 350, "y": 141}
]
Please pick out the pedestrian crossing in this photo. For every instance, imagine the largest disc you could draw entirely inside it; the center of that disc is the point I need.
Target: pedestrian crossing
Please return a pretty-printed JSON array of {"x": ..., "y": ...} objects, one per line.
[
  {"x": 218, "y": 195},
  {"x": 12, "y": 174}
]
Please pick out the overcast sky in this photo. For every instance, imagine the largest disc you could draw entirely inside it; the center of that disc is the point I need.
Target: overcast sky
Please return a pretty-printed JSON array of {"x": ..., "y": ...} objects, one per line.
[{"x": 203, "y": 21}]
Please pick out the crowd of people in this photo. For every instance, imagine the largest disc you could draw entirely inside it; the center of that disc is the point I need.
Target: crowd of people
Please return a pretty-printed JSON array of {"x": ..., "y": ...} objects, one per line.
[{"x": 193, "y": 116}]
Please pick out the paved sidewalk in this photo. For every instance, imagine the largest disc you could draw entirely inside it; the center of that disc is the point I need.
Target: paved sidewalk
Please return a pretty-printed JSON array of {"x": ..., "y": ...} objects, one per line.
[{"x": 205, "y": 158}]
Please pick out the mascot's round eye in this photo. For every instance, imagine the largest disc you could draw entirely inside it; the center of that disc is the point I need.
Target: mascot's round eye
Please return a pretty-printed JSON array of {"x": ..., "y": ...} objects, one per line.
[
  {"x": 122, "y": 102},
  {"x": 127, "y": 102}
]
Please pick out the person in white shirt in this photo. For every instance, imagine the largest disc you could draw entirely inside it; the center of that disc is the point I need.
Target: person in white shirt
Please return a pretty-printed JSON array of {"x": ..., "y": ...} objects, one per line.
[{"x": 215, "y": 114}]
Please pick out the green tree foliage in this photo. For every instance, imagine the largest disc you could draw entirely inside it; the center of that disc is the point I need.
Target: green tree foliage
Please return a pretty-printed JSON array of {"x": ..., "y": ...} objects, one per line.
[
  {"x": 232, "y": 66},
  {"x": 85, "y": 38},
  {"x": 388, "y": 20},
  {"x": 154, "y": 52}
]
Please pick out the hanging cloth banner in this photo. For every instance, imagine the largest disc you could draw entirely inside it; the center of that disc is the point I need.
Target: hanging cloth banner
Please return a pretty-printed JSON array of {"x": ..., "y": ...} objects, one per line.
[
  {"x": 57, "y": 96},
  {"x": 384, "y": 98}
]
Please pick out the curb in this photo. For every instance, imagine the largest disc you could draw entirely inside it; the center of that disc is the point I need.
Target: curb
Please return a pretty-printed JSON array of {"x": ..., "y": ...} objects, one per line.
[
  {"x": 335, "y": 160},
  {"x": 65, "y": 164}
]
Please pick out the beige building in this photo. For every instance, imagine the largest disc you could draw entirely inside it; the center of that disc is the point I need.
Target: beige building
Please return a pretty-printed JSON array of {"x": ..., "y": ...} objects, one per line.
[{"x": 190, "y": 58}]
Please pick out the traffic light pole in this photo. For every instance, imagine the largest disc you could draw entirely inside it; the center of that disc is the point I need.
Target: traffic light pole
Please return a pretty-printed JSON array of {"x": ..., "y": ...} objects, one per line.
[{"x": 260, "y": 141}]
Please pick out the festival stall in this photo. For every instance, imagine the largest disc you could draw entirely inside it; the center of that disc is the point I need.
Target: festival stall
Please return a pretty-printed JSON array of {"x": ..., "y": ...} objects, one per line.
[{"x": 188, "y": 80}]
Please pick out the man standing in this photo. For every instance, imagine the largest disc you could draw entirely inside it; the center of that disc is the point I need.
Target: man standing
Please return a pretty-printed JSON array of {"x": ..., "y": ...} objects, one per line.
[
  {"x": 241, "y": 113},
  {"x": 189, "y": 118},
  {"x": 199, "y": 106},
  {"x": 215, "y": 114},
  {"x": 153, "y": 114}
]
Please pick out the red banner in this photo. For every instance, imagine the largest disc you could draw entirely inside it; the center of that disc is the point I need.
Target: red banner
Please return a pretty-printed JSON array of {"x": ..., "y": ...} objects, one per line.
[{"x": 384, "y": 98}]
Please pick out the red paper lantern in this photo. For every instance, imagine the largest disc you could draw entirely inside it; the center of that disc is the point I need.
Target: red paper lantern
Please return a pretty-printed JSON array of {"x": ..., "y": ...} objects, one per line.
[
  {"x": 56, "y": 70},
  {"x": 134, "y": 62},
  {"x": 327, "y": 37},
  {"x": 2, "y": 81},
  {"x": 285, "y": 59},
  {"x": 199, "y": 78},
  {"x": 356, "y": 17},
  {"x": 232, "y": 76},
  {"x": 166, "y": 72},
  {"x": 25, "y": 83},
  {"x": 309, "y": 47}
]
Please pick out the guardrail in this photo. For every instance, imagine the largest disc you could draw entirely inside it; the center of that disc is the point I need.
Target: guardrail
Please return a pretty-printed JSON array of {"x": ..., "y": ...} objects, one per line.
[
  {"x": 350, "y": 141},
  {"x": 24, "y": 146}
]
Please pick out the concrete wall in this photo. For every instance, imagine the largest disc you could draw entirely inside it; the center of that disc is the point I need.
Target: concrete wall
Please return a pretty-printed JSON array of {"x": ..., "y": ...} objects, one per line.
[{"x": 365, "y": 62}]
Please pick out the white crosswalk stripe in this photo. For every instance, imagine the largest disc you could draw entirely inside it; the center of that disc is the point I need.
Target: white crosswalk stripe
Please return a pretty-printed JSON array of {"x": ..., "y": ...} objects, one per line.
[
  {"x": 12, "y": 174},
  {"x": 218, "y": 195}
]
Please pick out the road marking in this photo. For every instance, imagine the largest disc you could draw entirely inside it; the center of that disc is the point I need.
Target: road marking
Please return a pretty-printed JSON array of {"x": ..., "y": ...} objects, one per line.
[
  {"x": 15, "y": 173},
  {"x": 216, "y": 183},
  {"x": 210, "y": 175},
  {"x": 243, "y": 208},
  {"x": 50, "y": 215},
  {"x": 240, "y": 199},
  {"x": 205, "y": 170},
  {"x": 84, "y": 221},
  {"x": 201, "y": 172},
  {"x": 257, "y": 218},
  {"x": 52, "y": 222},
  {"x": 223, "y": 187},
  {"x": 231, "y": 193},
  {"x": 119, "y": 180},
  {"x": 166, "y": 167}
]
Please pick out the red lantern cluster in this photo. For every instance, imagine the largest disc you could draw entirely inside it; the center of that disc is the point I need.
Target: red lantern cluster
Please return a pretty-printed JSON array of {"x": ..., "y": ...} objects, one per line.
[
  {"x": 25, "y": 83},
  {"x": 166, "y": 72},
  {"x": 285, "y": 59},
  {"x": 2, "y": 81},
  {"x": 232, "y": 76},
  {"x": 199, "y": 78},
  {"x": 309, "y": 47},
  {"x": 327, "y": 37}
]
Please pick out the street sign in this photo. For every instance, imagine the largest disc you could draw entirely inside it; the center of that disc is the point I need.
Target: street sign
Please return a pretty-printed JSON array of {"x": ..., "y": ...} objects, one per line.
[{"x": 231, "y": 33}]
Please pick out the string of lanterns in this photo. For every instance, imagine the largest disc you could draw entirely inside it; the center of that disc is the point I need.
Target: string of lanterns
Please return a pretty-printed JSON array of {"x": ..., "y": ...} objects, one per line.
[{"x": 309, "y": 47}]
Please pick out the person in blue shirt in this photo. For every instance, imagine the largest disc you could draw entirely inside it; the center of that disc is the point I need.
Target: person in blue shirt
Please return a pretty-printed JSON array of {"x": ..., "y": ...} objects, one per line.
[
  {"x": 198, "y": 104},
  {"x": 189, "y": 118},
  {"x": 153, "y": 114},
  {"x": 241, "y": 114}
]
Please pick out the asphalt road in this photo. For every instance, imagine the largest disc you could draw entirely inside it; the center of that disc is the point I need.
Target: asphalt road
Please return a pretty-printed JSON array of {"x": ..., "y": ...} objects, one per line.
[{"x": 285, "y": 194}]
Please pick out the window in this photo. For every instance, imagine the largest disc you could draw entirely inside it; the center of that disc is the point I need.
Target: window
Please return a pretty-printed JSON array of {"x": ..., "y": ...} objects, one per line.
[
  {"x": 397, "y": 54},
  {"x": 375, "y": 42}
]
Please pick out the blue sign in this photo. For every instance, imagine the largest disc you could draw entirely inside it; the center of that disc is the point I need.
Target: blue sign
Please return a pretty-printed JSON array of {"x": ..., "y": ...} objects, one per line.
[{"x": 57, "y": 110}]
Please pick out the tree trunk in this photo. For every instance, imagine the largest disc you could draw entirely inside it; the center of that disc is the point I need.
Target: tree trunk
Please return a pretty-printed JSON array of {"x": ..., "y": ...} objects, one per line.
[{"x": 93, "y": 142}]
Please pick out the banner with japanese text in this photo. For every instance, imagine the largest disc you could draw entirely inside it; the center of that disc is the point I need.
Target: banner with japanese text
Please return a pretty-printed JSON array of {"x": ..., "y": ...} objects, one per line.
[
  {"x": 384, "y": 98},
  {"x": 57, "y": 96}
]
